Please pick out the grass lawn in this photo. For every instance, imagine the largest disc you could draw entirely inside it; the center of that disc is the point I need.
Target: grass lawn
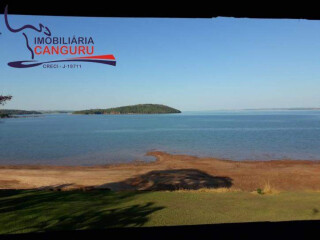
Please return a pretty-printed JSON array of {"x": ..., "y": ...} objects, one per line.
[{"x": 34, "y": 211}]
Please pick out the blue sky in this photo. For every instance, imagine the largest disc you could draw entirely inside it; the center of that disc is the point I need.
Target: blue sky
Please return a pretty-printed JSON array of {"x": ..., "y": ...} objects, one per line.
[{"x": 190, "y": 64}]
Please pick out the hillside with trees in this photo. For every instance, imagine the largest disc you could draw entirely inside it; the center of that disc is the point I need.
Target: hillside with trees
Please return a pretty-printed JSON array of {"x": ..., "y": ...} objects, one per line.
[{"x": 133, "y": 109}]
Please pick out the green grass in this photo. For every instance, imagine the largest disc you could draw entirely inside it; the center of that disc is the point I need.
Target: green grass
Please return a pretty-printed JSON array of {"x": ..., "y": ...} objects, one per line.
[{"x": 34, "y": 211}]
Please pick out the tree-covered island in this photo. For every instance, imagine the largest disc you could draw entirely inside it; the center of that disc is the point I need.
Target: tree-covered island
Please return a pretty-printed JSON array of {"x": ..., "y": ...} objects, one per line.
[{"x": 133, "y": 109}]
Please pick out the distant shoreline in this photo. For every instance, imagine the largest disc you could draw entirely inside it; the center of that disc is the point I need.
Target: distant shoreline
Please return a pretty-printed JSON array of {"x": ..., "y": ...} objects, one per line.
[
  {"x": 283, "y": 109},
  {"x": 216, "y": 110}
]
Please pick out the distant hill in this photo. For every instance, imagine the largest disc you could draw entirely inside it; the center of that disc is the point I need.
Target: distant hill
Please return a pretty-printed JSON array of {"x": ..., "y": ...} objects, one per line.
[
  {"x": 17, "y": 112},
  {"x": 6, "y": 113},
  {"x": 55, "y": 111},
  {"x": 133, "y": 109}
]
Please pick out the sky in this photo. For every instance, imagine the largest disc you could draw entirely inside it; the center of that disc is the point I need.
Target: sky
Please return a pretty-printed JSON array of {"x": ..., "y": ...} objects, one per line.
[{"x": 189, "y": 64}]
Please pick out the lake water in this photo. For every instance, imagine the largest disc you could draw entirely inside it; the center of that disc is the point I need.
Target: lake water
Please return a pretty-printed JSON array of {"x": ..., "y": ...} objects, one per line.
[{"x": 65, "y": 139}]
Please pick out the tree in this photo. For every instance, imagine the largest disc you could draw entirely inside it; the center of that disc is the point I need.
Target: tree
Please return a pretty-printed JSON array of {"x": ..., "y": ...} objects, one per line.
[{"x": 3, "y": 99}]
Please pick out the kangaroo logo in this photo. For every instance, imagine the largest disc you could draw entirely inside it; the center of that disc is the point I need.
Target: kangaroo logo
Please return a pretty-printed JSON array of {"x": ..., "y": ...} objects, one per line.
[
  {"x": 41, "y": 29},
  {"x": 59, "y": 49}
]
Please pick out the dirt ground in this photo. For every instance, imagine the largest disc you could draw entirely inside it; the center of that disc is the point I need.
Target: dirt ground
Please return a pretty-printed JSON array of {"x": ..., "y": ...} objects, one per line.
[{"x": 168, "y": 172}]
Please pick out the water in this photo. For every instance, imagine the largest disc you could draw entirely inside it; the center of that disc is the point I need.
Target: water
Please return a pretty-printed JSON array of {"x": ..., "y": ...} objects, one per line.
[{"x": 65, "y": 139}]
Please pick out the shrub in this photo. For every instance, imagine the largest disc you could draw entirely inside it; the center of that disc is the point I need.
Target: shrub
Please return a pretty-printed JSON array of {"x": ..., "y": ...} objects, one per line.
[{"x": 259, "y": 191}]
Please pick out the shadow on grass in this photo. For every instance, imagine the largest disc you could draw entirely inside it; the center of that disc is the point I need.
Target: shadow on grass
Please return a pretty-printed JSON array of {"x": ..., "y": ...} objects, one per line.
[
  {"x": 34, "y": 211},
  {"x": 95, "y": 207}
]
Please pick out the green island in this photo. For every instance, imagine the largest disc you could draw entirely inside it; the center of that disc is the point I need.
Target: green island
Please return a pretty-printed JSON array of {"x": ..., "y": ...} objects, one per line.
[
  {"x": 7, "y": 113},
  {"x": 132, "y": 109}
]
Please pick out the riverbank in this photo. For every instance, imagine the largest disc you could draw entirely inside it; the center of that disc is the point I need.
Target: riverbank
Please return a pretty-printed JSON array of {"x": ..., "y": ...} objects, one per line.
[{"x": 168, "y": 172}]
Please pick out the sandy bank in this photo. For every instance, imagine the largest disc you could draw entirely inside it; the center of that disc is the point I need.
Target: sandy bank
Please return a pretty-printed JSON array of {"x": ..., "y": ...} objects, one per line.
[{"x": 168, "y": 172}]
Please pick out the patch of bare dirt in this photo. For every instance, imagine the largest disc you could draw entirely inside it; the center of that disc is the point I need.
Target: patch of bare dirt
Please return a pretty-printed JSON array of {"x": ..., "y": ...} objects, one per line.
[{"x": 168, "y": 172}]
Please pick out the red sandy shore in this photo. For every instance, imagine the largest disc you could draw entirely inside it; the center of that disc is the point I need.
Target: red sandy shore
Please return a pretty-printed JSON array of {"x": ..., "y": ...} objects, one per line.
[{"x": 168, "y": 172}]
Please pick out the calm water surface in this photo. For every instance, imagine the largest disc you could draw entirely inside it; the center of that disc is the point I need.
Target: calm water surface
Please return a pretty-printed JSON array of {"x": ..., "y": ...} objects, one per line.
[{"x": 65, "y": 139}]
